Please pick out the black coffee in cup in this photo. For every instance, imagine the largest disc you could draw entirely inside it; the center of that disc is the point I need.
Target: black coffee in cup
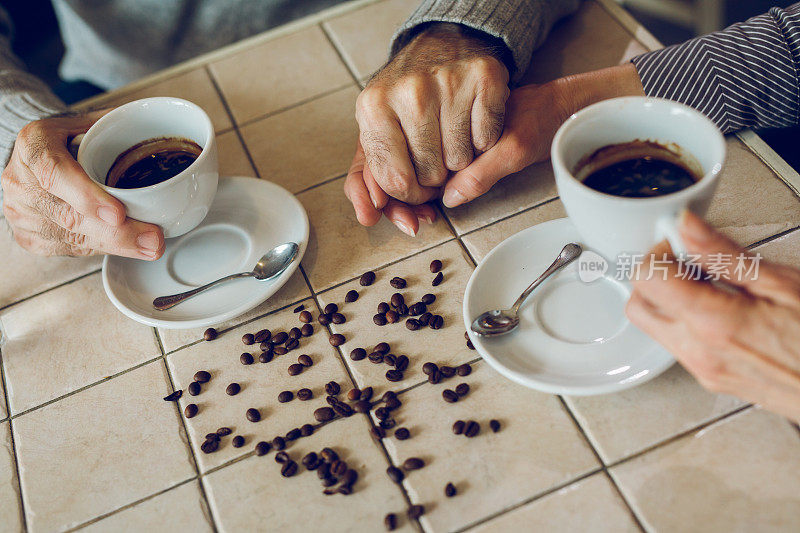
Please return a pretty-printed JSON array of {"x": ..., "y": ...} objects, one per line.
[
  {"x": 638, "y": 169},
  {"x": 152, "y": 161}
]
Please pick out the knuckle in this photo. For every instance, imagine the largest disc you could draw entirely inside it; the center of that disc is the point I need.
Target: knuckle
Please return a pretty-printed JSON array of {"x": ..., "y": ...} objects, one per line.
[
  {"x": 370, "y": 99},
  {"x": 488, "y": 67}
]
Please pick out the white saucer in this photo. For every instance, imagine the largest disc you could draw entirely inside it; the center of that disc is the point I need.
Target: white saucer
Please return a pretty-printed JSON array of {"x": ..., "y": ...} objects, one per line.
[
  {"x": 249, "y": 216},
  {"x": 573, "y": 336}
]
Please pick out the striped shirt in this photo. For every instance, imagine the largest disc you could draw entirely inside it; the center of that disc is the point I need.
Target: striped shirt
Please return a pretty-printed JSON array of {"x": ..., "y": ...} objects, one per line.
[{"x": 747, "y": 75}]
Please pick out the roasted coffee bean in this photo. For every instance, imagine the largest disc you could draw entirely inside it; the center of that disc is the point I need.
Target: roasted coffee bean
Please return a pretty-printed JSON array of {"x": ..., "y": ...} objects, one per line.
[
  {"x": 438, "y": 279},
  {"x": 233, "y": 389},
  {"x": 494, "y": 425},
  {"x": 435, "y": 376},
  {"x": 417, "y": 309},
  {"x": 212, "y": 436},
  {"x": 401, "y": 363},
  {"x": 470, "y": 345},
  {"x": 263, "y": 335},
  {"x": 458, "y": 427},
  {"x": 412, "y": 324},
  {"x": 447, "y": 371},
  {"x": 344, "y": 489},
  {"x": 338, "y": 467},
  {"x": 366, "y": 394},
  {"x": 293, "y": 434},
  {"x": 304, "y": 394},
  {"x": 398, "y": 282},
  {"x": 331, "y": 308},
  {"x": 449, "y": 490},
  {"x": 349, "y": 478},
  {"x": 246, "y": 358},
  {"x": 263, "y": 448},
  {"x": 265, "y": 357},
  {"x": 173, "y": 396},
  {"x": 266, "y": 346},
  {"x": 428, "y": 368},
  {"x": 377, "y": 432},
  {"x": 342, "y": 409},
  {"x": 291, "y": 344},
  {"x": 351, "y": 296},
  {"x": 376, "y": 357},
  {"x": 367, "y": 278},
  {"x": 472, "y": 428},
  {"x": 361, "y": 406},
  {"x": 337, "y": 339},
  {"x": 379, "y": 319},
  {"x": 305, "y": 360},
  {"x": 390, "y": 522},
  {"x": 306, "y": 430},
  {"x": 248, "y": 339},
  {"x": 449, "y": 396},
  {"x": 193, "y": 388},
  {"x": 464, "y": 370},
  {"x": 436, "y": 322},
  {"x": 397, "y": 300},
  {"x": 299, "y": 308},
  {"x": 190, "y": 410},
  {"x": 253, "y": 415},
  {"x": 286, "y": 396},
  {"x": 382, "y": 413},
  {"x": 224, "y": 431},
  {"x": 329, "y": 454},
  {"x": 280, "y": 350},
  {"x": 309, "y": 459},
  {"x": 295, "y": 369},
  {"x": 392, "y": 316},
  {"x": 289, "y": 469},
  {"x": 389, "y": 359},
  {"x": 402, "y": 433},
  {"x": 358, "y": 354},
  {"x": 323, "y": 319},
  {"x": 209, "y": 446},
  {"x": 295, "y": 333},
  {"x": 428, "y": 299},
  {"x": 389, "y": 423},
  {"x": 413, "y": 463},
  {"x": 462, "y": 389},
  {"x": 202, "y": 376},
  {"x": 383, "y": 307},
  {"x": 353, "y": 395},
  {"x": 306, "y": 317},
  {"x": 329, "y": 482},
  {"x": 415, "y": 511},
  {"x": 338, "y": 318},
  {"x": 332, "y": 400},
  {"x": 388, "y": 396},
  {"x": 392, "y": 402},
  {"x": 279, "y": 338},
  {"x": 395, "y": 474},
  {"x": 210, "y": 334},
  {"x": 307, "y": 330},
  {"x": 402, "y": 310},
  {"x": 394, "y": 375},
  {"x": 237, "y": 441},
  {"x": 278, "y": 443},
  {"x": 282, "y": 457},
  {"x": 332, "y": 388},
  {"x": 424, "y": 319},
  {"x": 324, "y": 469},
  {"x": 436, "y": 266},
  {"x": 323, "y": 414}
]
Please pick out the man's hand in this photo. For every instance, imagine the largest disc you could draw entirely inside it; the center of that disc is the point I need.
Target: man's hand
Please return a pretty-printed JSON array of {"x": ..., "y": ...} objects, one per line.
[
  {"x": 744, "y": 342},
  {"x": 54, "y": 208}
]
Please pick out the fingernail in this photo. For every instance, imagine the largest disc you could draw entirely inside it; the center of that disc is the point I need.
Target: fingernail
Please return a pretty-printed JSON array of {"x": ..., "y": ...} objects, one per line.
[
  {"x": 149, "y": 254},
  {"x": 426, "y": 219},
  {"x": 405, "y": 229},
  {"x": 148, "y": 241},
  {"x": 453, "y": 198},
  {"x": 107, "y": 215}
]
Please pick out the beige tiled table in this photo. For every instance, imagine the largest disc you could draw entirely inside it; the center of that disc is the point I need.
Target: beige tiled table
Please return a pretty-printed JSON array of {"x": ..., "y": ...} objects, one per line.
[{"x": 87, "y": 442}]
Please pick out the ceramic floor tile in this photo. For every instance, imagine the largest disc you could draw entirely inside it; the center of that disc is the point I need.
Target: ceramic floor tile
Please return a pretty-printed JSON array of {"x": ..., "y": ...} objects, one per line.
[
  {"x": 512, "y": 194},
  {"x": 784, "y": 250},
  {"x": 67, "y": 338},
  {"x": 233, "y": 160},
  {"x": 307, "y": 144},
  {"x": 443, "y": 346},
  {"x": 482, "y": 241},
  {"x": 279, "y": 73},
  {"x": 627, "y": 422},
  {"x": 295, "y": 290},
  {"x": 17, "y": 283},
  {"x": 195, "y": 86},
  {"x": 340, "y": 248},
  {"x": 588, "y": 505},
  {"x": 101, "y": 449},
  {"x": 10, "y": 505},
  {"x": 537, "y": 447},
  {"x": 251, "y": 493},
  {"x": 364, "y": 35},
  {"x": 179, "y": 509},
  {"x": 260, "y": 385},
  {"x": 739, "y": 474}
]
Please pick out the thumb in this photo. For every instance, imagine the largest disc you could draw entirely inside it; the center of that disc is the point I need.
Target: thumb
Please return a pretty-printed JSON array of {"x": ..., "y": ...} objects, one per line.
[{"x": 477, "y": 178}]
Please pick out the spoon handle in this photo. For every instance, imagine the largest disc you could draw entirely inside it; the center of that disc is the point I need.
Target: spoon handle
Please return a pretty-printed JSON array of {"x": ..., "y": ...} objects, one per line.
[
  {"x": 162, "y": 303},
  {"x": 568, "y": 254}
]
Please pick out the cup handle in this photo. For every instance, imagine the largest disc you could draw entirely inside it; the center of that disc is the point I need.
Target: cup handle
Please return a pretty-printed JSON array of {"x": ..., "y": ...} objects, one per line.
[
  {"x": 667, "y": 228},
  {"x": 74, "y": 143}
]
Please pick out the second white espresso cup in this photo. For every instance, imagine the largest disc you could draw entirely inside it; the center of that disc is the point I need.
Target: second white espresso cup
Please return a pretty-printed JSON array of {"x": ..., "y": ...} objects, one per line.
[
  {"x": 616, "y": 225},
  {"x": 178, "y": 204}
]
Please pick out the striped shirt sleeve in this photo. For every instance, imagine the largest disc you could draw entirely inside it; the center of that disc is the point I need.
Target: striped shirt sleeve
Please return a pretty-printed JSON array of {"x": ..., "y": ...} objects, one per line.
[{"x": 743, "y": 76}]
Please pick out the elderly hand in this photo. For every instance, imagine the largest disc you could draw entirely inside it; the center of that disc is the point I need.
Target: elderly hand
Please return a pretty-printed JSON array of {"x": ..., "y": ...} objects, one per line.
[
  {"x": 54, "y": 208},
  {"x": 744, "y": 342}
]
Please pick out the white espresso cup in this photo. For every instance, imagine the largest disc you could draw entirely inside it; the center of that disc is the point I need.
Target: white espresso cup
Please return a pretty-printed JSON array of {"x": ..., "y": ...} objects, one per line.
[
  {"x": 178, "y": 204},
  {"x": 616, "y": 225}
]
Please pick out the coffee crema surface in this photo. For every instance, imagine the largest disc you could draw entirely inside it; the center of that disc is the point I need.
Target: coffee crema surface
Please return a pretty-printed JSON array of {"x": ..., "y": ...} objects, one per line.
[{"x": 152, "y": 161}]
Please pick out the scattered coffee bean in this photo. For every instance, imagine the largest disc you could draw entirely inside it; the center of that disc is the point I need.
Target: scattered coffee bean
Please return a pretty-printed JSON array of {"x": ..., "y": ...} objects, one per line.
[
  {"x": 280, "y": 338},
  {"x": 280, "y": 350},
  {"x": 266, "y": 346},
  {"x": 428, "y": 299},
  {"x": 470, "y": 345},
  {"x": 295, "y": 369},
  {"x": 361, "y": 406},
  {"x": 494, "y": 425},
  {"x": 289, "y": 469},
  {"x": 324, "y": 319},
  {"x": 377, "y": 432},
  {"x": 332, "y": 388},
  {"x": 366, "y": 394},
  {"x": 306, "y": 317},
  {"x": 304, "y": 395},
  {"x": 382, "y": 413},
  {"x": 394, "y": 375},
  {"x": 246, "y": 358},
  {"x": 299, "y": 308},
  {"x": 253, "y": 415},
  {"x": 438, "y": 279},
  {"x": 349, "y": 478},
  {"x": 392, "y": 402},
  {"x": 202, "y": 376},
  {"x": 448, "y": 371},
  {"x": 415, "y": 511},
  {"x": 436, "y": 266},
  {"x": 210, "y": 334},
  {"x": 449, "y": 396},
  {"x": 383, "y": 307},
  {"x": 306, "y": 430},
  {"x": 329, "y": 455},
  {"x": 435, "y": 376},
  {"x": 265, "y": 357},
  {"x": 458, "y": 427},
  {"x": 392, "y": 316},
  {"x": 331, "y": 309},
  {"x": 173, "y": 396},
  {"x": 263, "y": 448},
  {"x": 390, "y": 522},
  {"x": 337, "y": 339},
  {"x": 398, "y": 282},
  {"x": 324, "y": 469},
  {"x": 358, "y": 354},
  {"x": 376, "y": 357},
  {"x": 295, "y": 333},
  {"x": 209, "y": 446},
  {"x": 462, "y": 389},
  {"x": 263, "y": 336},
  {"x": 428, "y": 368},
  {"x": 401, "y": 363},
  {"x": 282, "y": 457},
  {"x": 353, "y": 395},
  {"x": 397, "y": 300},
  {"x": 291, "y": 344},
  {"x": 388, "y": 396},
  {"x": 379, "y": 319},
  {"x": 193, "y": 388},
  {"x": 342, "y": 409},
  {"x": 305, "y": 360},
  {"x": 464, "y": 370},
  {"x": 248, "y": 339},
  {"x": 307, "y": 330},
  {"x": 323, "y": 414},
  {"x": 338, "y": 318},
  {"x": 412, "y": 324},
  {"x": 449, "y": 490},
  {"x": 338, "y": 467},
  {"x": 293, "y": 434},
  {"x": 233, "y": 389},
  {"x": 436, "y": 322},
  {"x": 367, "y": 278},
  {"x": 402, "y": 433},
  {"x": 395, "y": 474},
  {"x": 286, "y": 396},
  {"x": 309, "y": 459},
  {"x": 190, "y": 410},
  {"x": 389, "y": 423},
  {"x": 223, "y": 432},
  {"x": 351, "y": 296},
  {"x": 472, "y": 428},
  {"x": 237, "y": 441},
  {"x": 413, "y": 463},
  {"x": 402, "y": 310},
  {"x": 417, "y": 309},
  {"x": 424, "y": 319},
  {"x": 278, "y": 443},
  {"x": 327, "y": 482}
]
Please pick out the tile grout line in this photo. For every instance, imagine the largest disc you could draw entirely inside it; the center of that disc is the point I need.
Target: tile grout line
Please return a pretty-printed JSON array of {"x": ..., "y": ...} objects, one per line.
[
  {"x": 339, "y": 52},
  {"x": 295, "y": 105},
  {"x": 767, "y": 240},
  {"x": 4, "y": 383},
  {"x": 512, "y": 215},
  {"x": 54, "y": 287}
]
